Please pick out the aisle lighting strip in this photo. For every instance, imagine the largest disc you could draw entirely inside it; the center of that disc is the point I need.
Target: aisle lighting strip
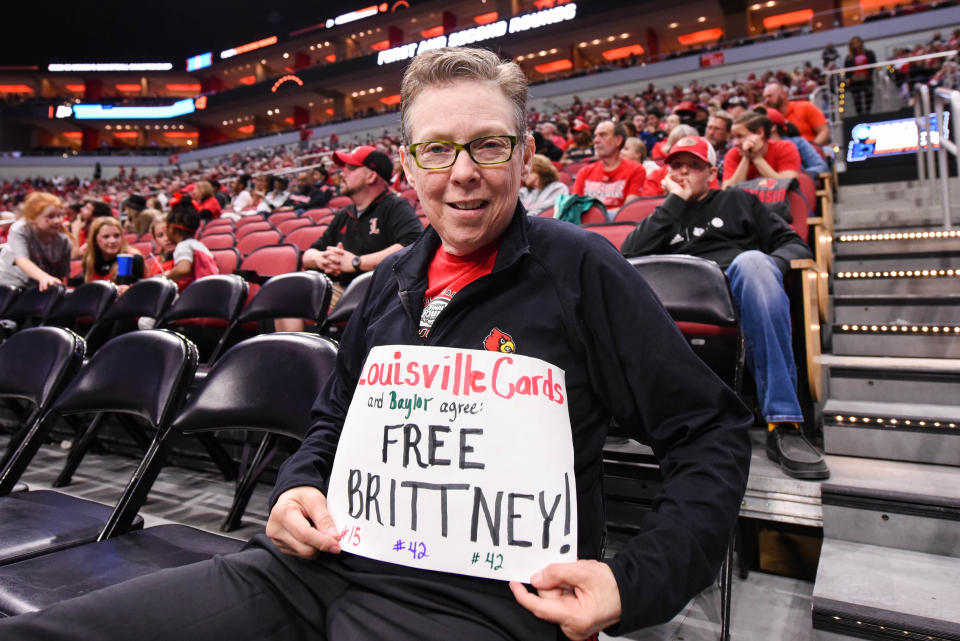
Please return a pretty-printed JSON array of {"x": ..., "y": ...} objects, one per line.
[
  {"x": 903, "y": 329},
  {"x": 903, "y": 273},
  {"x": 478, "y": 34},
  {"x": 893, "y": 422},
  {"x": 913, "y": 235}
]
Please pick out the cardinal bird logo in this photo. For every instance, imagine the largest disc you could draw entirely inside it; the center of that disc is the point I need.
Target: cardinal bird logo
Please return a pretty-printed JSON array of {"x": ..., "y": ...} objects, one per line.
[{"x": 498, "y": 341}]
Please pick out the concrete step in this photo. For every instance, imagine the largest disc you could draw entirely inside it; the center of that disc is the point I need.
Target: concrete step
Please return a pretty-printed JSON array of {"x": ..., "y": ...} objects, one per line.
[
  {"x": 885, "y": 242},
  {"x": 880, "y": 309},
  {"x": 880, "y": 379},
  {"x": 891, "y": 215},
  {"x": 886, "y": 190},
  {"x": 895, "y": 504},
  {"x": 896, "y": 339},
  {"x": 894, "y": 281},
  {"x": 902, "y": 431},
  {"x": 946, "y": 260},
  {"x": 873, "y": 592}
]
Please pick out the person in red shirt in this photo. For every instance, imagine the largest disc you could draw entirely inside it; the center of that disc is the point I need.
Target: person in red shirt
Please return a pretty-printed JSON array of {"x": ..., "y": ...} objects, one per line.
[
  {"x": 612, "y": 180},
  {"x": 754, "y": 155},
  {"x": 653, "y": 185},
  {"x": 810, "y": 121}
]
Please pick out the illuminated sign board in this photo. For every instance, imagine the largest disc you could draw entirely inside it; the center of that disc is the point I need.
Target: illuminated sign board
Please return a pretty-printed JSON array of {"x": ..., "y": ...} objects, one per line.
[
  {"x": 110, "y": 112},
  {"x": 359, "y": 14},
  {"x": 497, "y": 29},
  {"x": 112, "y": 66},
  {"x": 891, "y": 138},
  {"x": 200, "y": 61},
  {"x": 250, "y": 46}
]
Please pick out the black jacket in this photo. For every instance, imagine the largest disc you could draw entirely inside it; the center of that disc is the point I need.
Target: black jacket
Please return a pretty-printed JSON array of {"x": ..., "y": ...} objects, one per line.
[
  {"x": 568, "y": 297},
  {"x": 719, "y": 227}
]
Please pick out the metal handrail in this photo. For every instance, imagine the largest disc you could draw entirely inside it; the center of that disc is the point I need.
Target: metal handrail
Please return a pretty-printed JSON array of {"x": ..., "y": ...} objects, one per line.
[{"x": 925, "y": 151}]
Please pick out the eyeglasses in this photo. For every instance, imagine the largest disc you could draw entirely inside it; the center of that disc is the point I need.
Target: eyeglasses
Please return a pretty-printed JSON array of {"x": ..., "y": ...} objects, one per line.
[{"x": 486, "y": 150}]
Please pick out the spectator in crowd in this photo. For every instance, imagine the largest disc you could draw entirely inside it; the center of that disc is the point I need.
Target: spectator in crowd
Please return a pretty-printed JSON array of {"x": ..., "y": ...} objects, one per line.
[
  {"x": 640, "y": 122},
  {"x": 133, "y": 208},
  {"x": 545, "y": 147},
  {"x": 275, "y": 198},
  {"x": 622, "y": 354},
  {"x": 612, "y": 180},
  {"x": 581, "y": 147},
  {"x": 808, "y": 119},
  {"x": 653, "y": 133},
  {"x": 736, "y": 106},
  {"x": 754, "y": 155},
  {"x": 37, "y": 249},
  {"x": 653, "y": 185},
  {"x": 242, "y": 196},
  {"x": 541, "y": 187},
  {"x": 829, "y": 55},
  {"x": 860, "y": 82},
  {"x": 80, "y": 225},
  {"x": 162, "y": 260},
  {"x": 100, "y": 259},
  {"x": 206, "y": 201},
  {"x": 634, "y": 149},
  {"x": 755, "y": 247},
  {"x": 669, "y": 123},
  {"x": 361, "y": 236},
  {"x": 811, "y": 163},
  {"x": 717, "y": 134},
  {"x": 191, "y": 258},
  {"x": 223, "y": 198}
]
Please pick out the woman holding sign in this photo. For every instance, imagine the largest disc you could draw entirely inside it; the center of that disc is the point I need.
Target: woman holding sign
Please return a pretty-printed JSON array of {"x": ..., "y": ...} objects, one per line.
[{"x": 462, "y": 432}]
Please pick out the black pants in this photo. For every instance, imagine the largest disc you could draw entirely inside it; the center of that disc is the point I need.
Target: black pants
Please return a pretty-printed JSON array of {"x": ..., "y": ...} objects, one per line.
[
  {"x": 862, "y": 98},
  {"x": 259, "y": 593}
]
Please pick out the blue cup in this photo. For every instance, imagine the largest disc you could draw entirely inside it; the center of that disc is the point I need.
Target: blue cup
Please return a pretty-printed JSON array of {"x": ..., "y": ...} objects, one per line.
[{"x": 124, "y": 264}]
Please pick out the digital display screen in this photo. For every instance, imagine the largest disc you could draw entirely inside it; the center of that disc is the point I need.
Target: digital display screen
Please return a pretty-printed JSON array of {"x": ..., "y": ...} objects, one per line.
[
  {"x": 110, "y": 112},
  {"x": 200, "y": 61},
  {"x": 886, "y": 138}
]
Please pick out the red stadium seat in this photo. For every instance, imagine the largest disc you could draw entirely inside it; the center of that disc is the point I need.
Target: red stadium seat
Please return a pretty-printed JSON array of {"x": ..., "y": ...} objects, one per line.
[
  {"x": 565, "y": 178},
  {"x": 218, "y": 226},
  {"x": 639, "y": 209},
  {"x": 268, "y": 261},
  {"x": 145, "y": 247},
  {"x": 304, "y": 237},
  {"x": 131, "y": 237},
  {"x": 287, "y": 226},
  {"x": 76, "y": 267},
  {"x": 339, "y": 202},
  {"x": 147, "y": 236},
  {"x": 593, "y": 215},
  {"x": 615, "y": 232},
  {"x": 219, "y": 241},
  {"x": 575, "y": 167},
  {"x": 322, "y": 214},
  {"x": 546, "y": 213},
  {"x": 251, "y": 218},
  {"x": 280, "y": 216},
  {"x": 249, "y": 228},
  {"x": 410, "y": 195},
  {"x": 228, "y": 259},
  {"x": 257, "y": 239}
]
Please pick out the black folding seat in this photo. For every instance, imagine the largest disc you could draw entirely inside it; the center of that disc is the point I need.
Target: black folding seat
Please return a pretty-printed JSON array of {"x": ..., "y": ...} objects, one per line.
[
  {"x": 146, "y": 374},
  {"x": 83, "y": 307},
  {"x": 352, "y": 296},
  {"x": 147, "y": 298},
  {"x": 8, "y": 294},
  {"x": 266, "y": 384},
  {"x": 205, "y": 311},
  {"x": 32, "y": 306}
]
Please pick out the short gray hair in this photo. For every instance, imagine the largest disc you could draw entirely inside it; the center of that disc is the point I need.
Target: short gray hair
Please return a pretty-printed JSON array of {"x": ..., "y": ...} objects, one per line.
[{"x": 447, "y": 65}]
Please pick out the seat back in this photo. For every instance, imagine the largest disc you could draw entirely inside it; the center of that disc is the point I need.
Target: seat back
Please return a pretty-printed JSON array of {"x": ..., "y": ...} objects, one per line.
[
  {"x": 321, "y": 214},
  {"x": 249, "y": 219},
  {"x": 8, "y": 294},
  {"x": 219, "y": 241},
  {"x": 217, "y": 226},
  {"x": 236, "y": 394},
  {"x": 218, "y": 296},
  {"x": 352, "y": 296},
  {"x": 616, "y": 232},
  {"x": 339, "y": 202},
  {"x": 257, "y": 239},
  {"x": 637, "y": 210},
  {"x": 281, "y": 216},
  {"x": 90, "y": 300},
  {"x": 696, "y": 294},
  {"x": 251, "y": 227},
  {"x": 304, "y": 237},
  {"x": 145, "y": 374},
  {"x": 149, "y": 297},
  {"x": 270, "y": 260},
  {"x": 34, "y": 305},
  {"x": 799, "y": 212},
  {"x": 145, "y": 247},
  {"x": 295, "y": 295},
  {"x": 287, "y": 226},
  {"x": 593, "y": 215},
  {"x": 228, "y": 260},
  {"x": 36, "y": 362}
]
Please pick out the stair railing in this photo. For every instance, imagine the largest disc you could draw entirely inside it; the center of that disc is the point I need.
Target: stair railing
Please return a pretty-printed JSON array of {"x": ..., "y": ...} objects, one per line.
[{"x": 943, "y": 99}]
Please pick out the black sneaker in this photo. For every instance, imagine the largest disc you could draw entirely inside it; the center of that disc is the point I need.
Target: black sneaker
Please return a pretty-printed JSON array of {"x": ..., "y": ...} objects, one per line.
[{"x": 787, "y": 446}]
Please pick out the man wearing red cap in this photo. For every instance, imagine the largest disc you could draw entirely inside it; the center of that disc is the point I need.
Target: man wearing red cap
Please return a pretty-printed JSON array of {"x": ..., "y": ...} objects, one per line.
[
  {"x": 359, "y": 237},
  {"x": 810, "y": 121},
  {"x": 612, "y": 180},
  {"x": 755, "y": 247}
]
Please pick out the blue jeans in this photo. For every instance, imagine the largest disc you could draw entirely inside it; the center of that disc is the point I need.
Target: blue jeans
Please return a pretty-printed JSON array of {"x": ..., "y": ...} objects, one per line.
[{"x": 757, "y": 284}]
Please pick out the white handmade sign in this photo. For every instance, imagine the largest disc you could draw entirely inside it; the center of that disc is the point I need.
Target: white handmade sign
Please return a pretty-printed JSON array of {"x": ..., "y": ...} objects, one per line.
[{"x": 457, "y": 460}]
